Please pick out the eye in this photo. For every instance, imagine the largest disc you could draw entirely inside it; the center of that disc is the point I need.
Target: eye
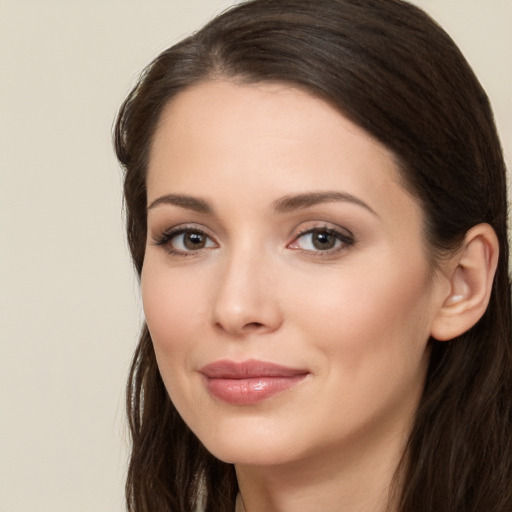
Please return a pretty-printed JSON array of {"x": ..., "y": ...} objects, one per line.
[
  {"x": 185, "y": 240},
  {"x": 321, "y": 240}
]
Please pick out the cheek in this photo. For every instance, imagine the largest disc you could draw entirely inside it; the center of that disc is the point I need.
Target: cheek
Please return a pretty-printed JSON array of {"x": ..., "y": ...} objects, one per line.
[
  {"x": 370, "y": 331},
  {"x": 364, "y": 315},
  {"x": 174, "y": 310}
]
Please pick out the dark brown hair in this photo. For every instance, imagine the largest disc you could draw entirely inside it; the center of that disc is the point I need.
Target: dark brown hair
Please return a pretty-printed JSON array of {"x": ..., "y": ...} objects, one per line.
[{"x": 393, "y": 71}]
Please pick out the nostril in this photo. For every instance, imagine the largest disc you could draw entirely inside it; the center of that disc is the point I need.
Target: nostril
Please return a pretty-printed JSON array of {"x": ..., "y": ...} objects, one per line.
[
  {"x": 248, "y": 327},
  {"x": 241, "y": 329},
  {"x": 253, "y": 325}
]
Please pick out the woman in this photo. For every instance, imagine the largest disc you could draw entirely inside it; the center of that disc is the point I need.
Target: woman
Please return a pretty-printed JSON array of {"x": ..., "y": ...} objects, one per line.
[{"x": 316, "y": 205}]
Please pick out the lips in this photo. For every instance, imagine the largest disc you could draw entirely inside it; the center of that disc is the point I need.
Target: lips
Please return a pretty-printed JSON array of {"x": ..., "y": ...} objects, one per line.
[{"x": 249, "y": 382}]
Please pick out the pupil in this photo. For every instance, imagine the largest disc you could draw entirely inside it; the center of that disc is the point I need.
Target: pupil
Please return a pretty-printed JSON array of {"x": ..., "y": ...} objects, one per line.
[
  {"x": 194, "y": 241},
  {"x": 323, "y": 240}
]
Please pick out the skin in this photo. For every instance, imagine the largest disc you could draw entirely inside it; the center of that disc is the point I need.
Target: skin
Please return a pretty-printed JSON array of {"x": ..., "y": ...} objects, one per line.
[{"x": 356, "y": 317}]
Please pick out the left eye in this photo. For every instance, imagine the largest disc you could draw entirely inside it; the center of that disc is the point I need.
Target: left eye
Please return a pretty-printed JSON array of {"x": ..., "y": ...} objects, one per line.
[{"x": 321, "y": 239}]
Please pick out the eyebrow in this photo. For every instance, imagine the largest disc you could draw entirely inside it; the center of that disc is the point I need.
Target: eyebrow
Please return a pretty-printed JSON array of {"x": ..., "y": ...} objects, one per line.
[
  {"x": 284, "y": 204},
  {"x": 188, "y": 202},
  {"x": 288, "y": 204}
]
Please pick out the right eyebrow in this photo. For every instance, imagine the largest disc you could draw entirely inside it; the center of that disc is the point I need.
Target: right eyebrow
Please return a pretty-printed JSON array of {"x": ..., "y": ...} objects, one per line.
[{"x": 188, "y": 202}]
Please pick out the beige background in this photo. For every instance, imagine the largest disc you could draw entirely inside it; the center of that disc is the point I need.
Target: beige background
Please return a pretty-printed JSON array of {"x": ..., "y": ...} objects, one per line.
[{"x": 69, "y": 306}]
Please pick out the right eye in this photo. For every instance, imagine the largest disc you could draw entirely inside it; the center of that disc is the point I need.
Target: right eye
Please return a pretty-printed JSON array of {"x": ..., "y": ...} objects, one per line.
[{"x": 185, "y": 240}]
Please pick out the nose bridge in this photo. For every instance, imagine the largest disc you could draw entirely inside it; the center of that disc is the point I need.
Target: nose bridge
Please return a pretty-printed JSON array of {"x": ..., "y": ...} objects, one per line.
[{"x": 246, "y": 298}]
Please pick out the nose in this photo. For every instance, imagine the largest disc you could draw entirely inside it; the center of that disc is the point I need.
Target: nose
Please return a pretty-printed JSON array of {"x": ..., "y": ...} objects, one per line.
[{"x": 246, "y": 299}]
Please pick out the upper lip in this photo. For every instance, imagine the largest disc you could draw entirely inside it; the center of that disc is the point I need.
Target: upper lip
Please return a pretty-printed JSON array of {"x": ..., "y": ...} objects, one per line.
[{"x": 252, "y": 368}]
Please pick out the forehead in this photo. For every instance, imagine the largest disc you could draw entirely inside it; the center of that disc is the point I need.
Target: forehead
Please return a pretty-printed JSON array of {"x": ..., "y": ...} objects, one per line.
[{"x": 262, "y": 139}]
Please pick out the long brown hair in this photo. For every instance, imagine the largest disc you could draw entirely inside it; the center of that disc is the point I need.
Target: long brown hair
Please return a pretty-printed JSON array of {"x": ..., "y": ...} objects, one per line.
[{"x": 393, "y": 71}]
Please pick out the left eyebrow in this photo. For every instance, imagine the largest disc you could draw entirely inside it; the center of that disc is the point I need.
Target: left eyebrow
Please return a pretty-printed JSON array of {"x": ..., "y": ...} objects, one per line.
[{"x": 288, "y": 204}]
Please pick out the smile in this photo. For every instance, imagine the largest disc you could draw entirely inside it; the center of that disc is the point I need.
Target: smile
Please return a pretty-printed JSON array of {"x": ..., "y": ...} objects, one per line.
[{"x": 249, "y": 382}]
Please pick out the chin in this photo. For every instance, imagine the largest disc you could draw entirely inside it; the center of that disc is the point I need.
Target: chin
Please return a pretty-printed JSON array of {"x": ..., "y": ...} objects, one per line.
[
  {"x": 255, "y": 455},
  {"x": 249, "y": 446}
]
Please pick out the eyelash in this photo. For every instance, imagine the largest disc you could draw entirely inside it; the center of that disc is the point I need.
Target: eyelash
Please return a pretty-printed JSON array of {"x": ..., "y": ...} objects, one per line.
[{"x": 346, "y": 240}]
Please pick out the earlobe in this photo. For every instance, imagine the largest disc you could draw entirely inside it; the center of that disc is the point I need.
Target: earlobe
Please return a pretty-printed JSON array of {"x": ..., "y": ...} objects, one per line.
[{"x": 471, "y": 276}]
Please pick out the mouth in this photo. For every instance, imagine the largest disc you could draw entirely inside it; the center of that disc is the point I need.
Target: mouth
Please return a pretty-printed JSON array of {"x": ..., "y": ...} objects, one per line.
[{"x": 249, "y": 382}]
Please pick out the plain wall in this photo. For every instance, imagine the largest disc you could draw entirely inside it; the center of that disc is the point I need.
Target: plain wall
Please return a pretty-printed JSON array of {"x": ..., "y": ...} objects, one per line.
[{"x": 69, "y": 304}]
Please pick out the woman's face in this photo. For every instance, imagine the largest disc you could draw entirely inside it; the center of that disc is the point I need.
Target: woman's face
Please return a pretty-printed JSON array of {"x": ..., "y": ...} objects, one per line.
[{"x": 286, "y": 283}]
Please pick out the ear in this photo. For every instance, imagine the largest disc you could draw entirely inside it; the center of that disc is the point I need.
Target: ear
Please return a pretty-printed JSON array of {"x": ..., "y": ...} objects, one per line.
[{"x": 470, "y": 273}]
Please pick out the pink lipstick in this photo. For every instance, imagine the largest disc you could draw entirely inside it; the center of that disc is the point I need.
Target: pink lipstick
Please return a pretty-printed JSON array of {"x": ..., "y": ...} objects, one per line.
[{"x": 249, "y": 382}]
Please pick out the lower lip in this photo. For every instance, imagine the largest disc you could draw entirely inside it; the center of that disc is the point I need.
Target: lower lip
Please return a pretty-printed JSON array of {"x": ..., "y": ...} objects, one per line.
[{"x": 251, "y": 390}]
